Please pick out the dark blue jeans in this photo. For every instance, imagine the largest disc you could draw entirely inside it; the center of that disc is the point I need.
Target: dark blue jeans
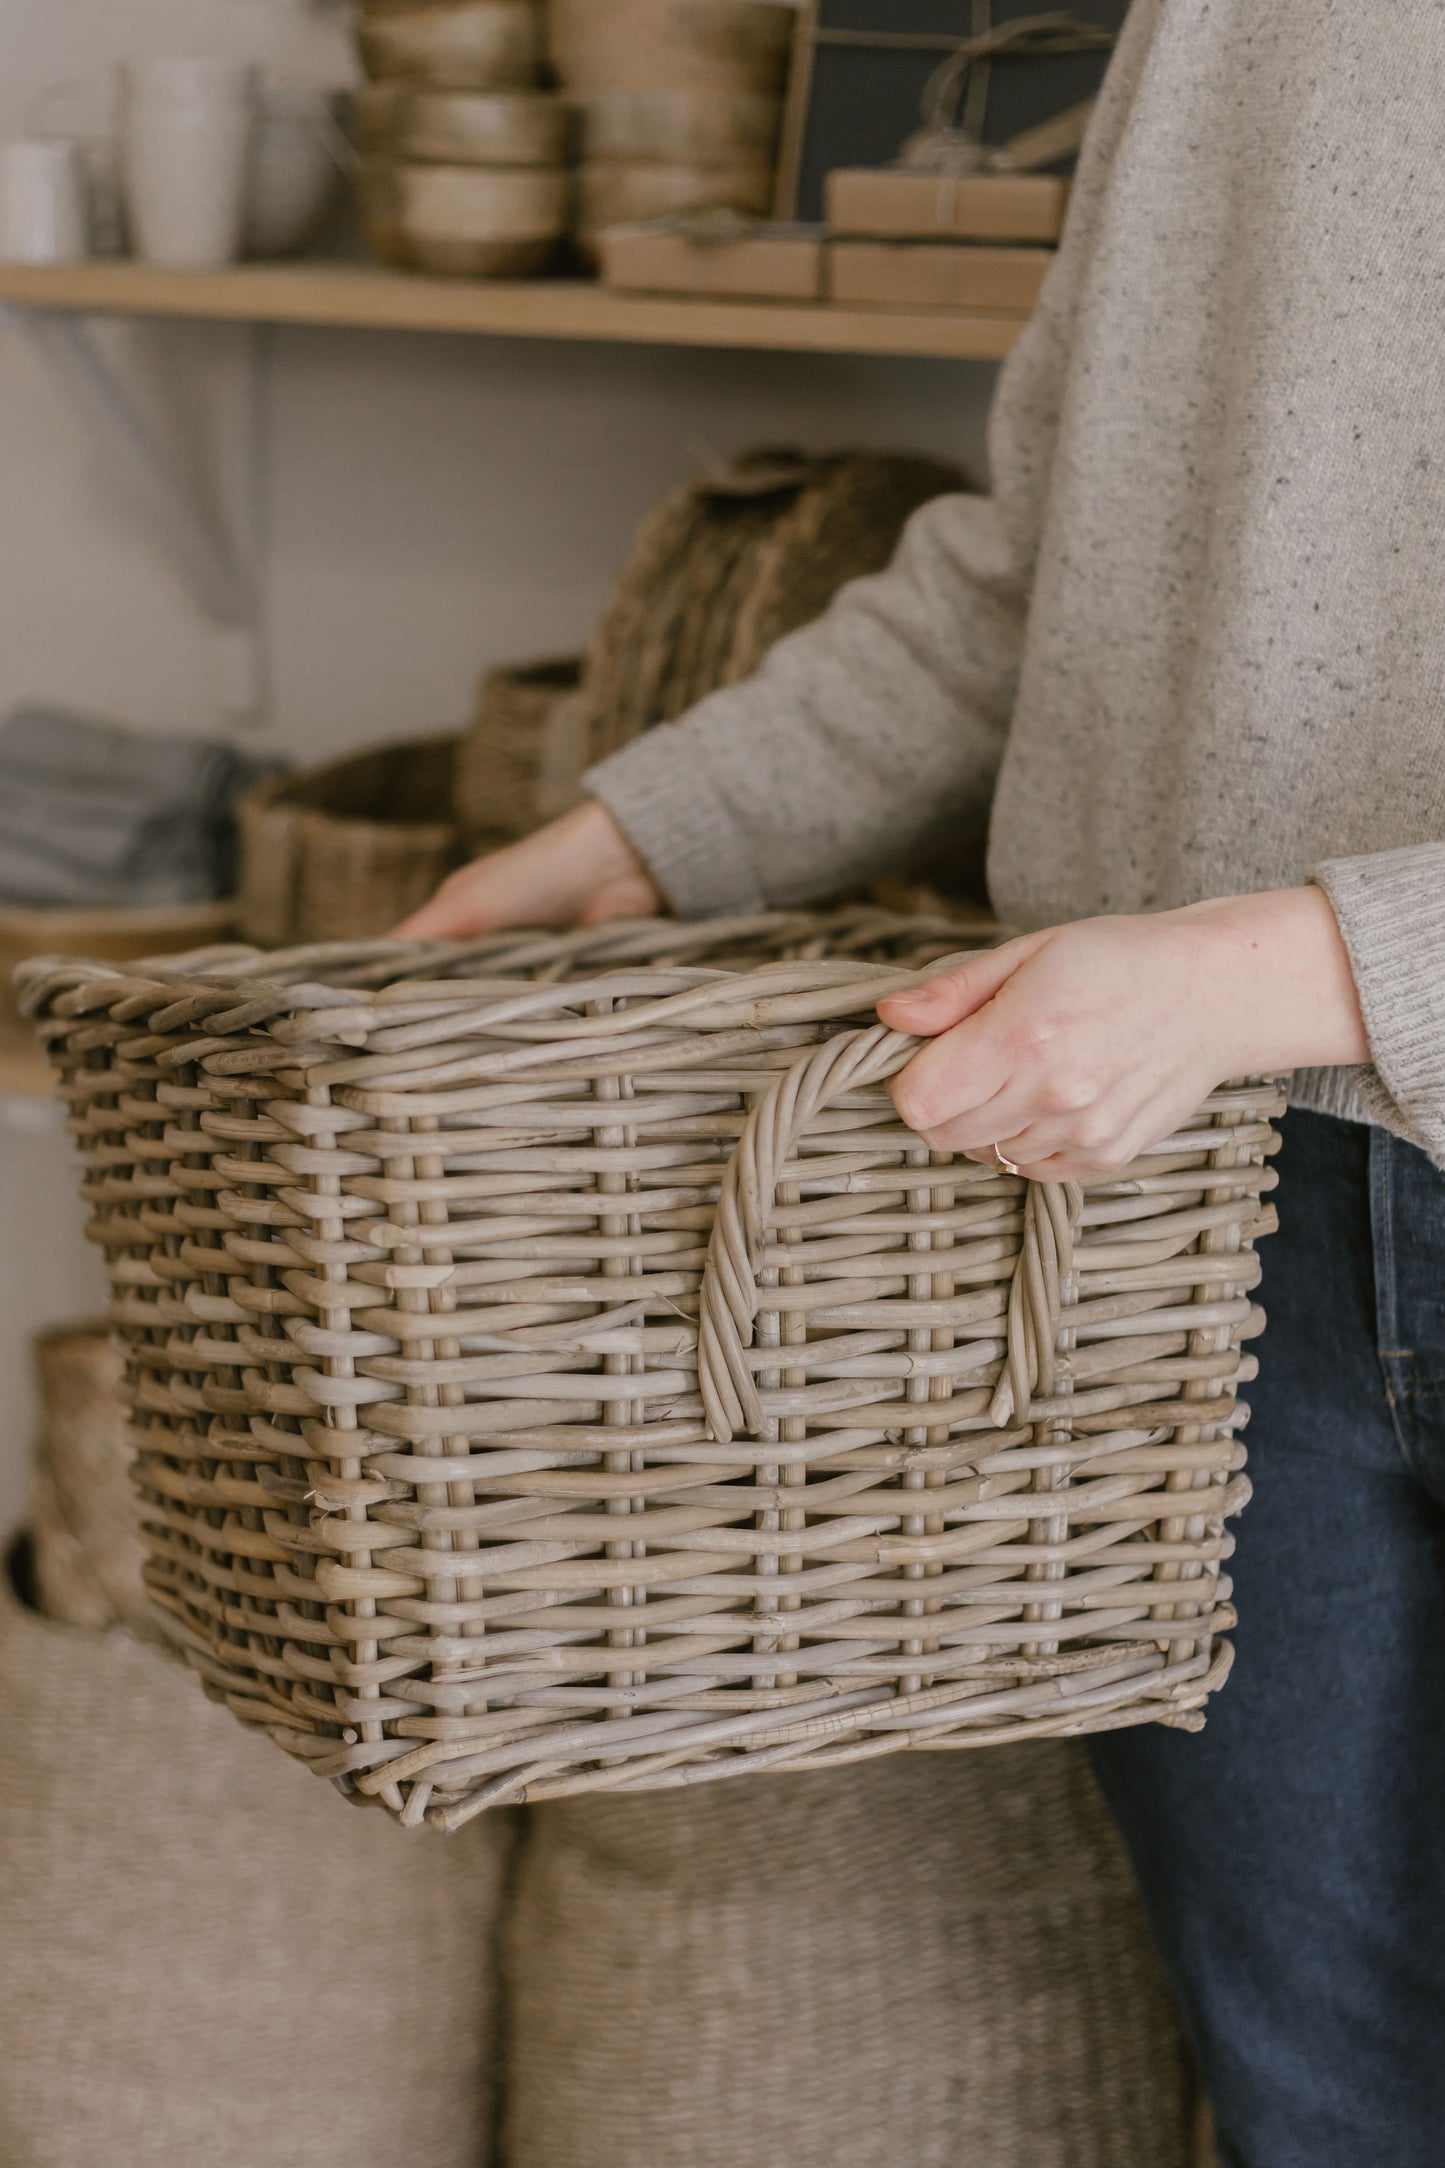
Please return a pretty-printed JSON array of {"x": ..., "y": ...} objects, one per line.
[{"x": 1292, "y": 1854}]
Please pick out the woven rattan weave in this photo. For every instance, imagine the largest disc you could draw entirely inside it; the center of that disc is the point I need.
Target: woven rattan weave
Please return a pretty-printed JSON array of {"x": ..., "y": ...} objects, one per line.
[{"x": 555, "y": 1367}]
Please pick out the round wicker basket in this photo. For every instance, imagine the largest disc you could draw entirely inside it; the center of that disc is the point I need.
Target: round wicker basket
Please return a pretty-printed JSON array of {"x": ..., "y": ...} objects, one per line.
[
  {"x": 84, "y": 1513},
  {"x": 351, "y": 848},
  {"x": 502, "y": 761},
  {"x": 555, "y": 1368},
  {"x": 726, "y": 565}
]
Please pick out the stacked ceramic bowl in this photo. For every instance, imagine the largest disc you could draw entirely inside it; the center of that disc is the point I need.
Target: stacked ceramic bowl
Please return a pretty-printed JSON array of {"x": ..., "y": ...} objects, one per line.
[
  {"x": 466, "y": 168},
  {"x": 678, "y": 104}
]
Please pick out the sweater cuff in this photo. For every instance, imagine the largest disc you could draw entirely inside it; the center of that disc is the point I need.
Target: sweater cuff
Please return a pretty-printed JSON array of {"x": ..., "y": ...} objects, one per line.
[
  {"x": 661, "y": 794},
  {"x": 1391, "y": 911}
]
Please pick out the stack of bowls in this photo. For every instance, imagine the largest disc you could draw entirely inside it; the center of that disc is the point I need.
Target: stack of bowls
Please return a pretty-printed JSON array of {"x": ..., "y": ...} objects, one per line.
[
  {"x": 678, "y": 101},
  {"x": 466, "y": 158}
]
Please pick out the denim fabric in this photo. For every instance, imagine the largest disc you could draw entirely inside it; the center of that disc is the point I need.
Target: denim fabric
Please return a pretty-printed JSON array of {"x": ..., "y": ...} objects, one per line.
[{"x": 1292, "y": 1855}]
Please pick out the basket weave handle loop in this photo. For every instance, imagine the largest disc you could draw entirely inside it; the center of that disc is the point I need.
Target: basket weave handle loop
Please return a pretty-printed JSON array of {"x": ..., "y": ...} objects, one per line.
[{"x": 730, "y": 1298}]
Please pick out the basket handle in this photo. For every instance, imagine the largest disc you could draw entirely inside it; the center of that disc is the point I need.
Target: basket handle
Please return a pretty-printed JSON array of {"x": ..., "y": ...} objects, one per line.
[{"x": 730, "y": 1298}]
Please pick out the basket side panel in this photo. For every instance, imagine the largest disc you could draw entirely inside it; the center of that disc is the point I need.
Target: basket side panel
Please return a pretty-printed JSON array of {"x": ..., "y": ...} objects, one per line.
[{"x": 578, "y": 1588}]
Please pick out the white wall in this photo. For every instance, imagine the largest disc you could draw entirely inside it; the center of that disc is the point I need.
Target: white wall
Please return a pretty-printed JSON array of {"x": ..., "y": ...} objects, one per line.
[{"x": 431, "y": 504}]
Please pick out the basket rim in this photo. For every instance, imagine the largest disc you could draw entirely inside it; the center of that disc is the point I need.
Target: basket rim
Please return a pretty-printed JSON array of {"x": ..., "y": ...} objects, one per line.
[{"x": 650, "y": 964}]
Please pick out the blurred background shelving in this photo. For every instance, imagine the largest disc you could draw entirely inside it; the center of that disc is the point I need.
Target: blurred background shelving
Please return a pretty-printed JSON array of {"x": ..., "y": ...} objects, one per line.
[{"x": 358, "y": 297}]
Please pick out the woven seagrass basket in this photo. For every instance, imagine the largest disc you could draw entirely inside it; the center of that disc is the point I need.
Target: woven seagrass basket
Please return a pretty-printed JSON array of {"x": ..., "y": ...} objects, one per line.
[
  {"x": 84, "y": 1514},
  {"x": 555, "y": 1368},
  {"x": 350, "y": 848},
  {"x": 726, "y": 565},
  {"x": 720, "y": 570},
  {"x": 502, "y": 762}
]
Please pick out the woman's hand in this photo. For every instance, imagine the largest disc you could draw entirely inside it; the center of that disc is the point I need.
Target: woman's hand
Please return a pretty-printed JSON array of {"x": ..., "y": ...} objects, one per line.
[
  {"x": 1075, "y": 1049},
  {"x": 576, "y": 871}
]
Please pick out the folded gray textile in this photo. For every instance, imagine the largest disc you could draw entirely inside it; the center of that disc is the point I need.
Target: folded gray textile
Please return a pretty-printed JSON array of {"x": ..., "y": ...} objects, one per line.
[{"x": 94, "y": 813}]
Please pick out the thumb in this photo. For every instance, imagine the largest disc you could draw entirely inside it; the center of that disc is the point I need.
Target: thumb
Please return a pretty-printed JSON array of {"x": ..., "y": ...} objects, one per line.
[
  {"x": 441, "y": 919},
  {"x": 946, "y": 997},
  {"x": 469, "y": 901}
]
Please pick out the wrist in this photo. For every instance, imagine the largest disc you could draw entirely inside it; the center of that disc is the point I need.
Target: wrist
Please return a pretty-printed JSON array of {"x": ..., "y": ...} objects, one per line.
[
  {"x": 1283, "y": 981},
  {"x": 608, "y": 868}
]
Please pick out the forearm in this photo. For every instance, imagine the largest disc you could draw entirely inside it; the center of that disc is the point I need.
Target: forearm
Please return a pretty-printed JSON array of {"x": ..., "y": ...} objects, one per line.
[{"x": 1279, "y": 963}]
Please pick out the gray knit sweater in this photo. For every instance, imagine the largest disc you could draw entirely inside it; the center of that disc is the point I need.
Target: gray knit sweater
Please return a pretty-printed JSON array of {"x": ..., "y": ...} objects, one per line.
[{"x": 1194, "y": 644}]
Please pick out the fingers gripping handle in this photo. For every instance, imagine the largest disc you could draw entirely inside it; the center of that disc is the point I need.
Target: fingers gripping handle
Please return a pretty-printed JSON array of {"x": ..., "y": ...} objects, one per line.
[{"x": 730, "y": 1297}]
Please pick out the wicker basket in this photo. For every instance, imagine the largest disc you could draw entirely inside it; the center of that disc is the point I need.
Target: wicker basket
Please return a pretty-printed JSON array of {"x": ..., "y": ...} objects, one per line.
[
  {"x": 351, "y": 849},
  {"x": 726, "y": 565},
  {"x": 589, "y": 1384},
  {"x": 720, "y": 570},
  {"x": 502, "y": 761},
  {"x": 84, "y": 1513}
]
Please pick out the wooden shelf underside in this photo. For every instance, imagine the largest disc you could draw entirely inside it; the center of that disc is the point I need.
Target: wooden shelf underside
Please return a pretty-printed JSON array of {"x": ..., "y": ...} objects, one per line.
[{"x": 355, "y": 296}]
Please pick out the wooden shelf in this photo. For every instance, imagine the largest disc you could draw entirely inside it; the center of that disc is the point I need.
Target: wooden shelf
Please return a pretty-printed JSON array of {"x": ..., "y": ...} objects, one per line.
[{"x": 354, "y": 295}]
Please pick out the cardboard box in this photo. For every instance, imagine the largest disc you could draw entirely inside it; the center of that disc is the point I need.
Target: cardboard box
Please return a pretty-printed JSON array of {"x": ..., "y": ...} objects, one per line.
[
  {"x": 936, "y": 274},
  {"x": 762, "y": 263},
  {"x": 898, "y": 204}
]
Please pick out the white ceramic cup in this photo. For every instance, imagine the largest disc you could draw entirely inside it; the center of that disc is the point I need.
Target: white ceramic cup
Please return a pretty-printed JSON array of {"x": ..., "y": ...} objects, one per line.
[
  {"x": 42, "y": 202},
  {"x": 186, "y": 133},
  {"x": 96, "y": 149}
]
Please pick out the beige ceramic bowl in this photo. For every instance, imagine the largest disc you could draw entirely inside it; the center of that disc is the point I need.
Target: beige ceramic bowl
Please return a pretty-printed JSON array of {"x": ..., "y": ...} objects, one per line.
[
  {"x": 476, "y": 45},
  {"x": 464, "y": 127},
  {"x": 671, "y": 127},
  {"x": 670, "y": 44},
  {"x": 618, "y": 192},
  {"x": 466, "y": 221}
]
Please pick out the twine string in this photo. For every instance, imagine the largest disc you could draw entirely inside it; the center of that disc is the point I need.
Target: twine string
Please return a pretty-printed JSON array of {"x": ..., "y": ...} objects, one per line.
[{"x": 955, "y": 96}]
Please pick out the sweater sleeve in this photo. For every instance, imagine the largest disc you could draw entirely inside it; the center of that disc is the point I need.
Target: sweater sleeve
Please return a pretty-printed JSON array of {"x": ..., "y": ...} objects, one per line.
[{"x": 1391, "y": 910}]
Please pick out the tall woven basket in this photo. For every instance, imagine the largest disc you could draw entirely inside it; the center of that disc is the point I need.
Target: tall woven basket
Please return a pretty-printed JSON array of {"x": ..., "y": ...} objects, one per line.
[{"x": 556, "y": 1369}]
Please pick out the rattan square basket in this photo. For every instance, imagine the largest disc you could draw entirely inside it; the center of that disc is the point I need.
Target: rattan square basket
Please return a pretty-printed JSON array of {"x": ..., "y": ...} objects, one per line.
[{"x": 554, "y": 1368}]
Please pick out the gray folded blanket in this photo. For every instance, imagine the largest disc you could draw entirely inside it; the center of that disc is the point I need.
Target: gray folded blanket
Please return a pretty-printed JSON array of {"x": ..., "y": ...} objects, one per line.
[{"x": 93, "y": 813}]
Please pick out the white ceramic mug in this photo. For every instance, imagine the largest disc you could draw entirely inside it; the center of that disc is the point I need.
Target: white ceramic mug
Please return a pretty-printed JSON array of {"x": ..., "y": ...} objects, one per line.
[
  {"x": 42, "y": 202},
  {"x": 186, "y": 132},
  {"x": 96, "y": 149}
]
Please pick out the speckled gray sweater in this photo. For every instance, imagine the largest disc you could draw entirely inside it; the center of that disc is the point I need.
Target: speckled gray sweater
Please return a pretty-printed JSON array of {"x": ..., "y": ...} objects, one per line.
[{"x": 1194, "y": 644}]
